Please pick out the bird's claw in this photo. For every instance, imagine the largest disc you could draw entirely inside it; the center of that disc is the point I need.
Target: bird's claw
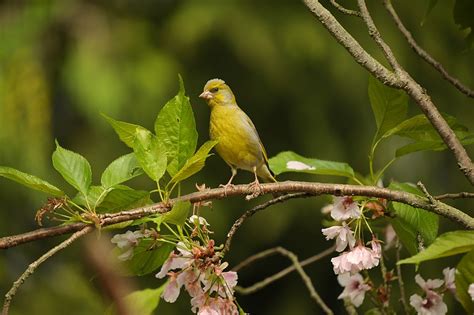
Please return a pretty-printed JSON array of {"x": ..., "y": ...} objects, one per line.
[
  {"x": 257, "y": 190},
  {"x": 226, "y": 187}
]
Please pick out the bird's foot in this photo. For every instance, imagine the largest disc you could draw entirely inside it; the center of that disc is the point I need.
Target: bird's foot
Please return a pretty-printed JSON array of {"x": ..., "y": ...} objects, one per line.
[
  {"x": 227, "y": 187},
  {"x": 256, "y": 188}
]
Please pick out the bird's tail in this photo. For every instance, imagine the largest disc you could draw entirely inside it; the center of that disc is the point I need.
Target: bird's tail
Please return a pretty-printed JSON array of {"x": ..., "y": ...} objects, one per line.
[{"x": 265, "y": 173}]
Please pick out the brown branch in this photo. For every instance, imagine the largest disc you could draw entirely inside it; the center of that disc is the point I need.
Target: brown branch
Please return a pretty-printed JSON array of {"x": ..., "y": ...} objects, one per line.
[
  {"x": 344, "y": 10},
  {"x": 254, "y": 210},
  {"x": 310, "y": 188},
  {"x": 400, "y": 79},
  {"x": 423, "y": 54},
  {"x": 34, "y": 265},
  {"x": 296, "y": 265},
  {"x": 455, "y": 195}
]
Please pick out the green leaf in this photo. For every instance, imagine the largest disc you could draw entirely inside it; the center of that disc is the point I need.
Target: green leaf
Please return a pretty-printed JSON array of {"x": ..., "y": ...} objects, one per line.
[
  {"x": 148, "y": 256},
  {"x": 124, "y": 198},
  {"x": 389, "y": 106},
  {"x": 291, "y": 162},
  {"x": 195, "y": 163},
  {"x": 175, "y": 126},
  {"x": 95, "y": 196},
  {"x": 122, "y": 169},
  {"x": 142, "y": 302},
  {"x": 429, "y": 146},
  {"x": 73, "y": 167},
  {"x": 177, "y": 215},
  {"x": 30, "y": 181},
  {"x": 126, "y": 131},
  {"x": 410, "y": 221},
  {"x": 150, "y": 153},
  {"x": 464, "y": 277},
  {"x": 447, "y": 244}
]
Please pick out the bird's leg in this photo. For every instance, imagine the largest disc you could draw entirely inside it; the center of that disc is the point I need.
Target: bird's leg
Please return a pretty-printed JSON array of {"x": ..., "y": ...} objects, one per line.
[
  {"x": 255, "y": 186},
  {"x": 229, "y": 183}
]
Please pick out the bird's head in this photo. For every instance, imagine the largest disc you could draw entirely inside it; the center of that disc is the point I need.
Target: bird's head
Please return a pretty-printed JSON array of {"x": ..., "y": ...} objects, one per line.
[{"x": 216, "y": 92}]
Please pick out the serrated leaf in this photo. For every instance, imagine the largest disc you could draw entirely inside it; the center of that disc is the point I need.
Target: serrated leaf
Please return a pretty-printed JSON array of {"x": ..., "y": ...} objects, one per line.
[
  {"x": 142, "y": 302},
  {"x": 410, "y": 221},
  {"x": 30, "y": 181},
  {"x": 148, "y": 256},
  {"x": 447, "y": 244},
  {"x": 195, "y": 163},
  {"x": 150, "y": 153},
  {"x": 464, "y": 277},
  {"x": 388, "y": 105},
  {"x": 429, "y": 146},
  {"x": 177, "y": 215},
  {"x": 126, "y": 131},
  {"x": 95, "y": 195},
  {"x": 73, "y": 167},
  {"x": 175, "y": 126},
  {"x": 120, "y": 170},
  {"x": 292, "y": 162}
]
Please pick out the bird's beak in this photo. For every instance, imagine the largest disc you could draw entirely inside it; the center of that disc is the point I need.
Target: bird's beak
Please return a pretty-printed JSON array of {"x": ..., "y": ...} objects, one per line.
[{"x": 206, "y": 95}]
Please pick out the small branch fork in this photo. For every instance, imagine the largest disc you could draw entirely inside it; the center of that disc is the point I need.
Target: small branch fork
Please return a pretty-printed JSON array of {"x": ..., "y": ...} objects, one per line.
[
  {"x": 296, "y": 265},
  {"x": 288, "y": 187},
  {"x": 398, "y": 78},
  {"x": 34, "y": 265}
]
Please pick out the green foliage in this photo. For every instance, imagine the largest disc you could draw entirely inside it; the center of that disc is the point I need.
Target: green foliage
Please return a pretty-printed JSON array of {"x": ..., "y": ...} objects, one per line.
[
  {"x": 175, "y": 126},
  {"x": 411, "y": 222},
  {"x": 177, "y": 215},
  {"x": 121, "y": 170},
  {"x": 148, "y": 256},
  {"x": 126, "y": 131},
  {"x": 195, "y": 163},
  {"x": 30, "y": 181},
  {"x": 292, "y": 162},
  {"x": 464, "y": 277},
  {"x": 142, "y": 302},
  {"x": 447, "y": 244},
  {"x": 150, "y": 153},
  {"x": 388, "y": 105},
  {"x": 73, "y": 167},
  {"x": 124, "y": 198}
]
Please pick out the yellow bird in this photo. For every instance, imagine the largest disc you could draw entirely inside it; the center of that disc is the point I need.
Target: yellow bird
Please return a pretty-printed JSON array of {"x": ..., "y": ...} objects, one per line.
[{"x": 238, "y": 141}]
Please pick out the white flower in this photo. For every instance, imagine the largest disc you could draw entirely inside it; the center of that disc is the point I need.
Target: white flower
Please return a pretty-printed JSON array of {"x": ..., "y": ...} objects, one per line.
[
  {"x": 127, "y": 242},
  {"x": 327, "y": 208},
  {"x": 344, "y": 236},
  {"x": 354, "y": 288},
  {"x": 345, "y": 208},
  {"x": 376, "y": 248},
  {"x": 449, "y": 277},
  {"x": 176, "y": 261},
  {"x": 429, "y": 284},
  {"x": 194, "y": 219},
  {"x": 175, "y": 282},
  {"x": 363, "y": 257},
  {"x": 432, "y": 304},
  {"x": 471, "y": 291}
]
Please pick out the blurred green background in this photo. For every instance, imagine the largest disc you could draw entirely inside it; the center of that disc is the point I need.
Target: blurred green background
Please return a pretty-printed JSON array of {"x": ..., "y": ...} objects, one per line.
[{"x": 64, "y": 62}]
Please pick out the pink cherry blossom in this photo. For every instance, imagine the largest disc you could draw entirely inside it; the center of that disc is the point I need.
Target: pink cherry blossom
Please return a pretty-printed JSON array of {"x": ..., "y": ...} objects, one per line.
[
  {"x": 343, "y": 234},
  {"x": 195, "y": 219},
  {"x": 127, "y": 242},
  {"x": 432, "y": 304},
  {"x": 171, "y": 292},
  {"x": 354, "y": 288},
  {"x": 390, "y": 237},
  {"x": 359, "y": 258},
  {"x": 173, "y": 262},
  {"x": 429, "y": 284},
  {"x": 345, "y": 208},
  {"x": 449, "y": 278}
]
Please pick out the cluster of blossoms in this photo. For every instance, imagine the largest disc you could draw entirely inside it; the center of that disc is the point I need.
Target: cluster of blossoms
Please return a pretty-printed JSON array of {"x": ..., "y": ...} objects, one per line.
[
  {"x": 198, "y": 268},
  {"x": 431, "y": 303}
]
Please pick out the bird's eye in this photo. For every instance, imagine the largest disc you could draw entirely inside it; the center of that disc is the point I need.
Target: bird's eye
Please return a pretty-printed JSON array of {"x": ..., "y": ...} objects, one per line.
[{"x": 214, "y": 90}]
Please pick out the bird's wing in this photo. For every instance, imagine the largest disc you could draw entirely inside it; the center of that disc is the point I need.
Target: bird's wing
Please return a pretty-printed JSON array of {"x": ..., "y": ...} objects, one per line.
[{"x": 252, "y": 126}]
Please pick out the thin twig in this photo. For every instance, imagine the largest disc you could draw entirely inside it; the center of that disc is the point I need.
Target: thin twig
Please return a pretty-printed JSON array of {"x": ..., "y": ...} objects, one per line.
[
  {"x": 455, "y": 195},
  {"x": 307, "y": 281},
  {"x": 401, "y": 284},
  {"x": 425, "y": 191},
  {"x": 262, "y": 284},
  {"x": 34, "y": 265},
  {"x": 311, "y": 188},
  {"x": 423, "y": 54},
  {"x": 254, "y": 210},
  {"x": 344, "y": 10}
]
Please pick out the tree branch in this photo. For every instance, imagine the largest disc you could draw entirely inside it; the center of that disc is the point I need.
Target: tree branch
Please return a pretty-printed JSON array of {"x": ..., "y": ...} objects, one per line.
[
  {"x": 254, "y": 210},
  {"x": 423, "y": 54},
  {"x": 400, "y": 79},
  {"x": 344, "y": 10},
  {"x": 310, "y": 188},
  {"x": 455, "y": 195},
  {"x": 298, "y": 266},
  {"x": 34, "y": 265}
]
